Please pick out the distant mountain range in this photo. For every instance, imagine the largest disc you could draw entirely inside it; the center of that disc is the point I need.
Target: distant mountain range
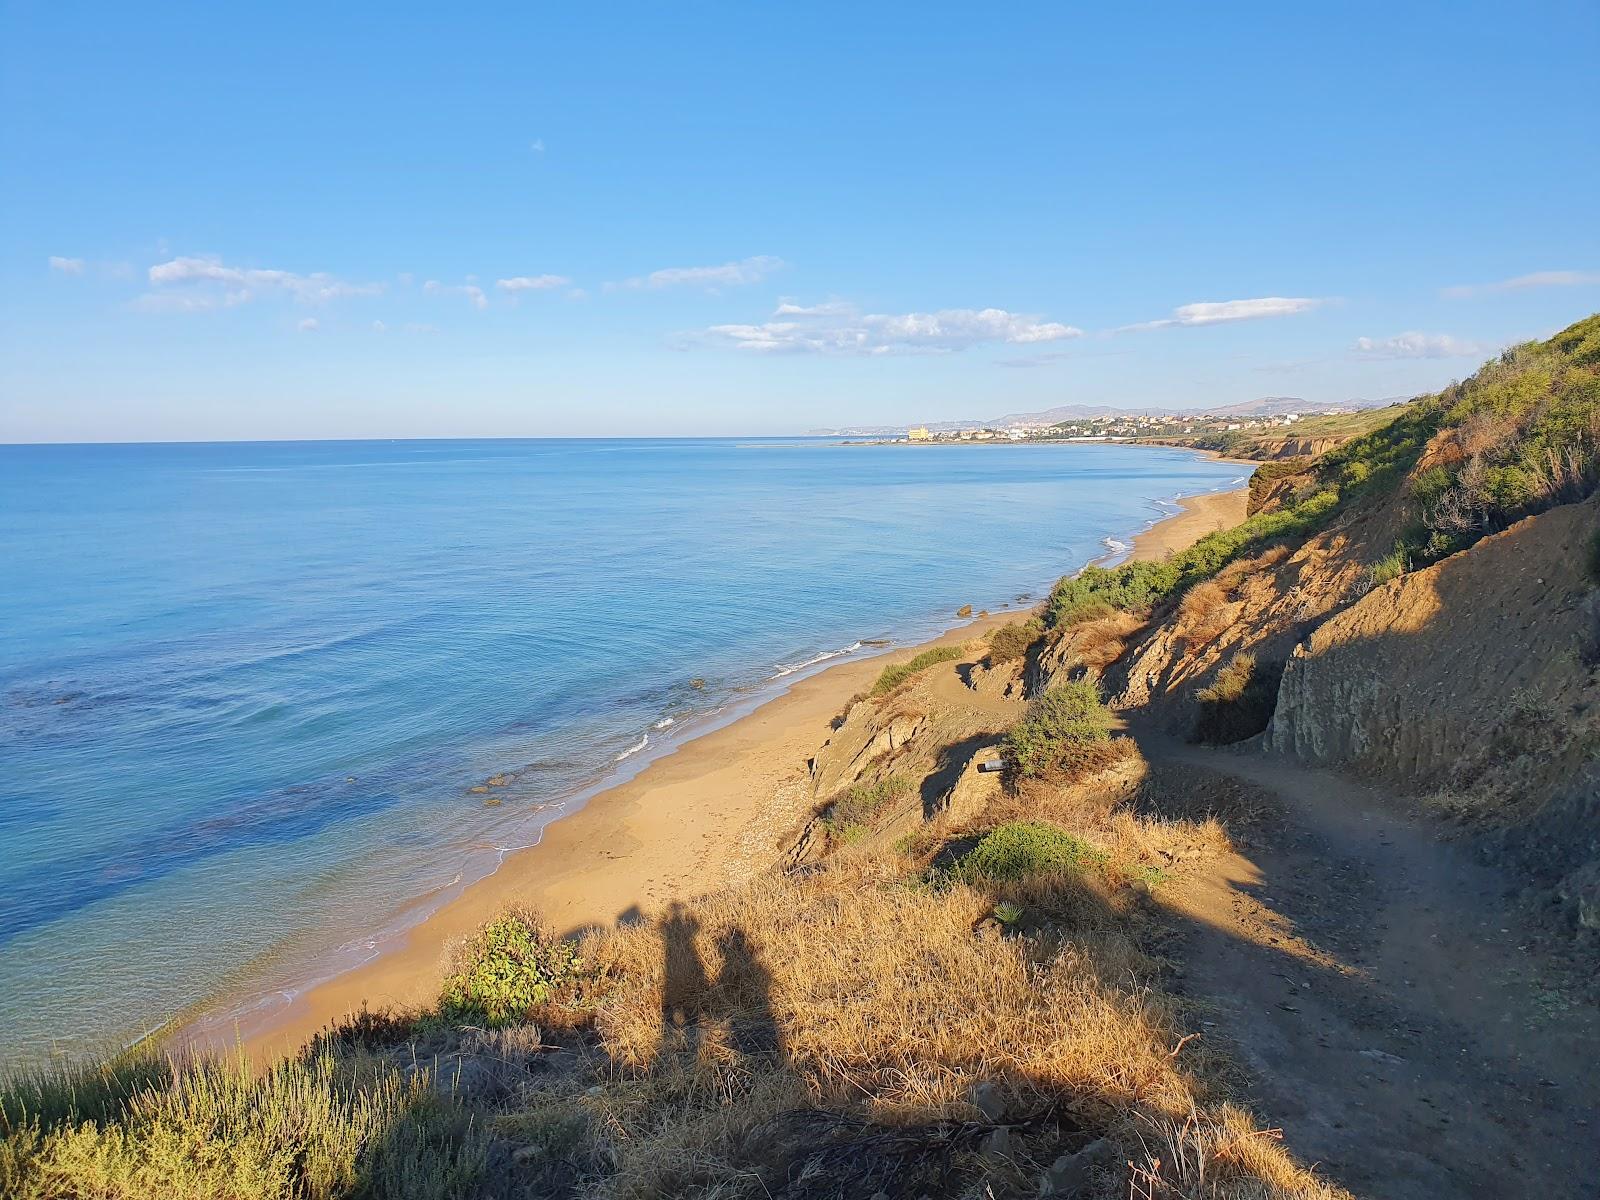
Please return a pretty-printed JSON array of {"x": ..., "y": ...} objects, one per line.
[{"x": 1264, "y": 406}]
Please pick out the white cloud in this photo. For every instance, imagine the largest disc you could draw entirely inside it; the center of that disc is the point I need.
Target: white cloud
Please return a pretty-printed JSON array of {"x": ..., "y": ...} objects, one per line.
[
  {"x": 537, "y": 145},
  {"x": 731, "y": 274},
  {"x": 471, "y": 291},
  {"x": 1216, "y": 312},
  {"x": 67, "y": 266},
  {"x": 839, "y": 329},
  {"x": 1522, "y": 283},
  {"x": 379, "y": 327},
  {"x": 210, "y": 277},
  {"x": 1418, "y": 345},
  {"x": 309, "y": 325},
  {"x": 830, "y": 308},
  {"x": 531, "y": 283}
]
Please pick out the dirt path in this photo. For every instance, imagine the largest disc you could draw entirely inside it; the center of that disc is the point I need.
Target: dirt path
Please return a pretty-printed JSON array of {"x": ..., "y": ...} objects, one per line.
[{"x": 1385, "y": 1000}]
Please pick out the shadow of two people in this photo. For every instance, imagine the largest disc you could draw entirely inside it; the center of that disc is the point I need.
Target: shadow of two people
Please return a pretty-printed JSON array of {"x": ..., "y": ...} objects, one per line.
[{"x": 740, "y": 993}]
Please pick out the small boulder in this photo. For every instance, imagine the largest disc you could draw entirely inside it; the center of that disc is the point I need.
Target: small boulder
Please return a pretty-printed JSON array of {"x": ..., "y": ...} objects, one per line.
[
  {"x": 988, "y": 1099},
  {"x": 1069, "y": 1175}
]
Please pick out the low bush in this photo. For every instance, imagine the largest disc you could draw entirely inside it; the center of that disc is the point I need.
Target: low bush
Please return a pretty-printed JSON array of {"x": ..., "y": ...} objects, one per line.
[
  {"x": 1238, "y": 703},
  {"x": 510, "y": 968},
  {"x": 1011, "y": 642},
  {"x": 1020, "y": 850},
  {"x": 857, "y": 807},
  {"x": 897, "y": 673},
  {"x": 1057, "y": 730}
]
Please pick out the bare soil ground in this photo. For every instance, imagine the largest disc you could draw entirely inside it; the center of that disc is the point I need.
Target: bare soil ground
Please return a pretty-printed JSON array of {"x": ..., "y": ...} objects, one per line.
[{"x": 1389, "y": 1008}]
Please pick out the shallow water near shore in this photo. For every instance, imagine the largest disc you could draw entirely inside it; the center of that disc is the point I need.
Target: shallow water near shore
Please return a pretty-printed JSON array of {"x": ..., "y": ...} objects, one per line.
[{"x": 258, "y": 700}]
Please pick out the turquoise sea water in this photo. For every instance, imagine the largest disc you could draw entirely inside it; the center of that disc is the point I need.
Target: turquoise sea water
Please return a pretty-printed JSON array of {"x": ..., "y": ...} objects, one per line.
[{"x": 245, "y": 689}]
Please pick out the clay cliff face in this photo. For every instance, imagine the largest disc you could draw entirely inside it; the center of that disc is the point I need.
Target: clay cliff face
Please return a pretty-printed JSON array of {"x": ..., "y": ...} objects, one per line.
[{"x": 1422, "y": 673}]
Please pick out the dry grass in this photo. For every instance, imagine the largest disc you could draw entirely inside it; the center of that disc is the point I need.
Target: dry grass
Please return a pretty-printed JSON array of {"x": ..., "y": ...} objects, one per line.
[
  {"x": 1205, "y": 611},
  {"x": 1098, "y": 643},
  {"x": 1199, "y": 1157}
]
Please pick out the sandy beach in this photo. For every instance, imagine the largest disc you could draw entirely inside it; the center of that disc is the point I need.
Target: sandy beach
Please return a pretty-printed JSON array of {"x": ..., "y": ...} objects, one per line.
[
  {"x": 1200, "y": 515},
  {"x": 712, "y": 812}
]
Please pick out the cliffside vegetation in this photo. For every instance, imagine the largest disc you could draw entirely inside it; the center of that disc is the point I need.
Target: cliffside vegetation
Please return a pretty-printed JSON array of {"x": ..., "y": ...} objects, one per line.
[{"x": 1519, "y": 436}]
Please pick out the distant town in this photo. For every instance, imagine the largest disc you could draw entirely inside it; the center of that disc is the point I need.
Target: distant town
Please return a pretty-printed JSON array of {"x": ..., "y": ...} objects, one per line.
[
  {"x": 1268, "y": 428},
  {"x": 1105, "y": 428}
]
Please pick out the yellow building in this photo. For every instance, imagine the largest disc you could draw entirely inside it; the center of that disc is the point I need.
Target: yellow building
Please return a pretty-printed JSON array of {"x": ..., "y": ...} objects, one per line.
[{"x": 919, "y": 434}]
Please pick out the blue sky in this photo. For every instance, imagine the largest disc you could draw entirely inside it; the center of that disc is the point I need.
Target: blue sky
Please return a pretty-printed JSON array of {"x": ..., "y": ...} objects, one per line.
[{"x": 292, "y": 220}]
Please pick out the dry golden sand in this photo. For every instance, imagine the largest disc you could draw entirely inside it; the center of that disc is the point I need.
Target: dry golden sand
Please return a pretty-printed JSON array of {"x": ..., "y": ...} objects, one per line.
[{"x": 711, "y": 813}]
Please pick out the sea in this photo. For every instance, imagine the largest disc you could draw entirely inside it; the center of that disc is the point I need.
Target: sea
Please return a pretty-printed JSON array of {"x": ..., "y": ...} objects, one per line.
[{"x": 262, "y": 704}]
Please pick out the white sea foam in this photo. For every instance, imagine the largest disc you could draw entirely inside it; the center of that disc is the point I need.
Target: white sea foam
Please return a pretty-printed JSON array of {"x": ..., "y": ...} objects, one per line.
[
  {"x": 790, "y": 668},
  {"x": 634, "y": 749},
  {"x": 665, "y": 723}
]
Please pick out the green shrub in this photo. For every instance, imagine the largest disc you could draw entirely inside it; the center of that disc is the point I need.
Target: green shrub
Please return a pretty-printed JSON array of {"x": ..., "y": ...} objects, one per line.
[
  {"x": 1427, "y": 487},
  {"x": 1057, "y": 729},
  {"x": 893, "y": 676},
  {"x": 1011, "y": 642},
  {"x": 857, "y": 807},
  {"x": 1021, "y": 849},
  {"x": 1239, "y": 702},
  {"x": 509, "y": 968}
]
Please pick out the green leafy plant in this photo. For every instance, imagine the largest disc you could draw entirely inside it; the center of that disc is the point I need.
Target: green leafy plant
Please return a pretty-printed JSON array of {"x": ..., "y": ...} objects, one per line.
[
  {"x": 508, "y": 969},
  {"x": 1007, "y": 913}
]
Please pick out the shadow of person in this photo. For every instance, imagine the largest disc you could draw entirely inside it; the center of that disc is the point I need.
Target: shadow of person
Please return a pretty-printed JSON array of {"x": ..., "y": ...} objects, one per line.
[
  {"x": 684, "y": 985},
  {"x": 743, "y": 995}
]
